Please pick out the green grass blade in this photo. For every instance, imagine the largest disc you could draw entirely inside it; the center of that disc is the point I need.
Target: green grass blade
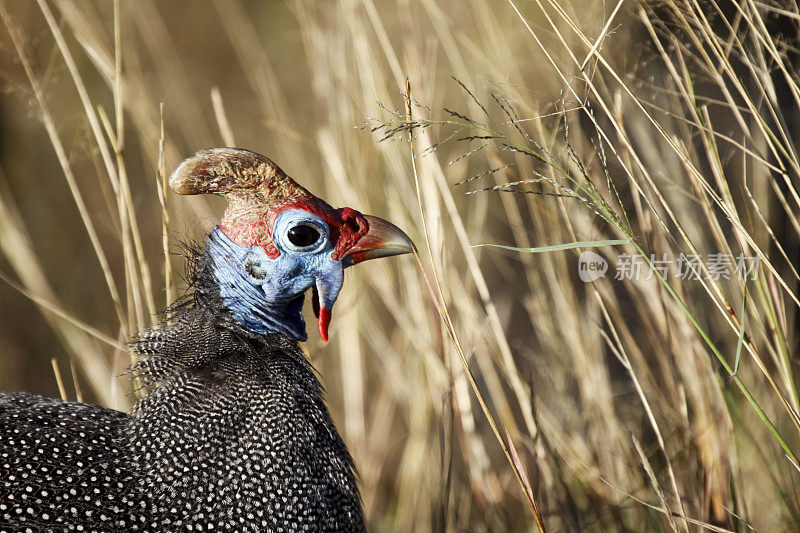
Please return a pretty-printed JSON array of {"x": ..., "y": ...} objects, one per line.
[{"x": 557, "y": 247}]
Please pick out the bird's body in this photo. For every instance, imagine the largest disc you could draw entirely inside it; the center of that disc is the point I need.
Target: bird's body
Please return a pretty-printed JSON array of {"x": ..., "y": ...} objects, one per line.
[
  {"x": 234, "y": 434},
  {"x": 51, "y": 452}
]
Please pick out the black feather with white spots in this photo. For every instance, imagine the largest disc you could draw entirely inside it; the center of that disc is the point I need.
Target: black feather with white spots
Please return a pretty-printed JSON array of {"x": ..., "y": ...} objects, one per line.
[{"x": 234, "y": 436}]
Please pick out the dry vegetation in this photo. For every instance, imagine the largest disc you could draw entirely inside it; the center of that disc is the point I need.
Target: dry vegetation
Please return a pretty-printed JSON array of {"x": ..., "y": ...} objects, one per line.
[{"x": 498, "y": 378}]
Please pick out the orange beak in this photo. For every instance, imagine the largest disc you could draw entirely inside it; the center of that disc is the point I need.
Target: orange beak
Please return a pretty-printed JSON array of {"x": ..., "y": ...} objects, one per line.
[{"x": 383, "y": 239}]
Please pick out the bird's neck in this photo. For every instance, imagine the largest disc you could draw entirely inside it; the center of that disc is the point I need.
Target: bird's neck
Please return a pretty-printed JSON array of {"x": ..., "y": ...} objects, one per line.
[{"x": 251, "y": 305}]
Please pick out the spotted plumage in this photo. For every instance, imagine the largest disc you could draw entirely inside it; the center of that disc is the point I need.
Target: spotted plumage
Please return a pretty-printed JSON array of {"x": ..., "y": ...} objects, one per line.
[{"x": 234, "y": 434}]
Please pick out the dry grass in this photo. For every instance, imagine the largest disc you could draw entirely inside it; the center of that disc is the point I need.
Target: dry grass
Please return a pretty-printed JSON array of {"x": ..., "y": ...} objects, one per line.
[{"x": 495, "y": 378}]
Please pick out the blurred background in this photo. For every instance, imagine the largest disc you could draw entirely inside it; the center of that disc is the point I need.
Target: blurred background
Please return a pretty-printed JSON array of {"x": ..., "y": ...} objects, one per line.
[{"x": 647, "y": 129}]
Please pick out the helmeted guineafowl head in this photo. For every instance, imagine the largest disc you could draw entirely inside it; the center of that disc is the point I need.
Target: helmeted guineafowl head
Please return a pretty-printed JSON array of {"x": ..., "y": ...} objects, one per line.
[{"x": 276, "y": 240}]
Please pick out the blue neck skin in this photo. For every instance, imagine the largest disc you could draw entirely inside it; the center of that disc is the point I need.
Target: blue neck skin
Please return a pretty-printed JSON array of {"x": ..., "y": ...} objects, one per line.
[{"x": 250, "y": 285}]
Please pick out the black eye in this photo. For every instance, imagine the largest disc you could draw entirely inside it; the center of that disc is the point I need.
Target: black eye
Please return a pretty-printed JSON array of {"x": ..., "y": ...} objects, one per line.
[{"x": 303, "y": 235}]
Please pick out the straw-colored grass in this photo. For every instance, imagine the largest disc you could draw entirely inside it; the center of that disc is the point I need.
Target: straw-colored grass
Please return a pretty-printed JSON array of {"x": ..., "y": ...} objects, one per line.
[{"x": 480, "y": 386}]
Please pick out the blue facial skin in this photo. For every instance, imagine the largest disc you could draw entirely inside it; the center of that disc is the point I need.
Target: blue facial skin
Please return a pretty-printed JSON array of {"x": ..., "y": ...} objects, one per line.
[{"x": 267, "y": 294}]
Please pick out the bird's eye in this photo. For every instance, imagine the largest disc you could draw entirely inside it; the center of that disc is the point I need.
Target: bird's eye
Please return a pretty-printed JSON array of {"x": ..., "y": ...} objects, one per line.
[{"x": 303, "y": 235}]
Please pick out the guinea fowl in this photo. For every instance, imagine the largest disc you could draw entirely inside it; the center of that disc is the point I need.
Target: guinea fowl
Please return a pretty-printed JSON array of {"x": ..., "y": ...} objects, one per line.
[{"x": 234, "y": 434}]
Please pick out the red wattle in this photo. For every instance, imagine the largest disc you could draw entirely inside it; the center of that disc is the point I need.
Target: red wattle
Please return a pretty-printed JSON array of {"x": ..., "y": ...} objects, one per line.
[{"x": 324, "y": 321}]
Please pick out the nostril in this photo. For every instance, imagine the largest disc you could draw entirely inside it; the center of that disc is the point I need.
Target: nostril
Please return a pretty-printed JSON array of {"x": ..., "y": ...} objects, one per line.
[
  {"x": 353, "y": 220},
  {"x": 357, "y": 223}
]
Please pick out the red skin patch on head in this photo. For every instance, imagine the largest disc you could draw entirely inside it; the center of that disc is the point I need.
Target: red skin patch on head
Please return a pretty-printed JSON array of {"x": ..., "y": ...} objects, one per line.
[
  {"x": 251, "y": 234},
  {"x": 346, "y": 225}
]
